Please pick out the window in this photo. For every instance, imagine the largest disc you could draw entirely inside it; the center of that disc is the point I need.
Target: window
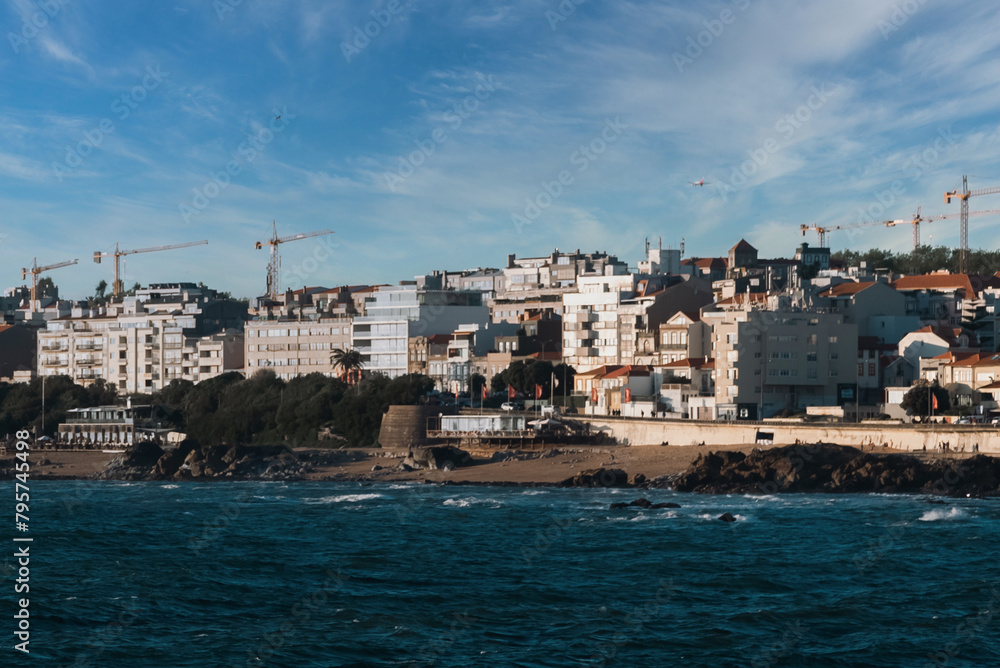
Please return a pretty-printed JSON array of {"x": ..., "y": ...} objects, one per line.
[
  {"x": 811, "y": 339},
  {"x": 810, "y": 357},
  {"x": 833, "y": 339},
  {"x": 833, "y": 356},
  {"x": 861, "y": 370},
  {"x": 811, "y": 374},
  {"x": 833, "y": 373}
]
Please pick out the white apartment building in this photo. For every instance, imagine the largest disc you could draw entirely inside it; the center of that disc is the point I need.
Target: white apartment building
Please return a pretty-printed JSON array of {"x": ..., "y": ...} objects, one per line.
[
  {"x": 590, "y": 321},
  {"x": 769, "y": 361},
  {"x": 395, "y": 314},
  {"x": 165, "y": 332}
]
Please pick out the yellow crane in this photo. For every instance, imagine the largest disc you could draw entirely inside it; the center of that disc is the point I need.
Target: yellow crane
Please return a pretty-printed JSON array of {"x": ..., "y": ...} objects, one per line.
[
  {"x": 964, "y": 196},
  {"x": 35, "y": 270},
  {"x": 117, "y": 287},
  {"x": 917, "y": 219},
  {"x": 274, "y": 265},
  {"x": 822, "y": 231}
]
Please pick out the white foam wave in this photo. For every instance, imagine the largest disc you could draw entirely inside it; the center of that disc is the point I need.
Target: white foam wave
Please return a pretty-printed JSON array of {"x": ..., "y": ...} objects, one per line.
[
  {"x": 344, "y": 498},
  {"x": 171, "y": 486},
  {"x": 939, "y": 515}
]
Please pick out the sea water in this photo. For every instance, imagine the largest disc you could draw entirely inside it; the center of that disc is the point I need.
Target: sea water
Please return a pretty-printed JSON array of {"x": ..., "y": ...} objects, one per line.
[{"x": 321, "y": 574}]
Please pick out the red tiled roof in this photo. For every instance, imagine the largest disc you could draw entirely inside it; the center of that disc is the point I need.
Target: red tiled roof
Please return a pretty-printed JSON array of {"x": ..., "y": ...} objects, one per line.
[
  {"x": 706, "y": 262},
  {"x": 628, "y": 370},
  {"x": 742, "y": 246},
  {"x": 842, "y": 289},
  {"x": 966, "y": 360},
  {"x": 939, "y": 282}
]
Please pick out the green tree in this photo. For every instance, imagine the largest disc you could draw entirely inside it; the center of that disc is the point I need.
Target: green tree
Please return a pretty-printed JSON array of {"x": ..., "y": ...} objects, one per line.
[
  {"x": 348, "y": 361},
  {"x": 918, "y": 400},
  {"x": 476, "y": 383}
]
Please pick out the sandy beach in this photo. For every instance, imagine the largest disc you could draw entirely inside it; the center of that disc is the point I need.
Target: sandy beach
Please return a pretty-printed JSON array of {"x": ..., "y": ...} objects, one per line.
[
  {"x": 519, "y": 468},
  {"x": 353, "y": 464}
]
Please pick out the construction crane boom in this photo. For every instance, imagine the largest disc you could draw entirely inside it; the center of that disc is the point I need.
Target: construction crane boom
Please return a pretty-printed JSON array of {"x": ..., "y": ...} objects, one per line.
[
  {"x": 274, "y": 265},
  {"x": 35, "y": 270},
  {"x": 963, "y": 197},
  {"x": 823, "y": 231},
  {"x": 117, "y": 287},
  {"x": 917, "y": 219}
]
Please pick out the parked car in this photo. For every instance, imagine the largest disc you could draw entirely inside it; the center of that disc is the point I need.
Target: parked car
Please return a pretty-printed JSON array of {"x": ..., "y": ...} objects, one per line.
[{"x": 512, "y": 406}]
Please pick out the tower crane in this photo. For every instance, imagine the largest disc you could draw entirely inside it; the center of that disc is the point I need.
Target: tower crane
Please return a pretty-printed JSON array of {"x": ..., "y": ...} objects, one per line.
[
  {"x": 823, "y": 231},
  {"x": 274, "y": 265},
  {"x": 35, "y": 270},
  {"x": 917, "y": 219},
  {"x": 117, "y": 287},
  {"x": 964, "y": 196}
]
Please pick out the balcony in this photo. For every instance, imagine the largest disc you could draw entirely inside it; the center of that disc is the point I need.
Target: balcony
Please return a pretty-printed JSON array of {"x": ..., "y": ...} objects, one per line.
[
  {"x": 54, "y": 347},
  {"x": 89, "y": 346},
  {"x": 54, "y": 362}
]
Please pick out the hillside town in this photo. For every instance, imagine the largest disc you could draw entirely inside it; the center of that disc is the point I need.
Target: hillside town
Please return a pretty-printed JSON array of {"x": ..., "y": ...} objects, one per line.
[{"x": 735, "y": 337}]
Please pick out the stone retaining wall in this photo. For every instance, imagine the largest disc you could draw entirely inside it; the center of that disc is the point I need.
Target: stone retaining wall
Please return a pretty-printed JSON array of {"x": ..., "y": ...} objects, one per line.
[{"x": 715, "y": 434}]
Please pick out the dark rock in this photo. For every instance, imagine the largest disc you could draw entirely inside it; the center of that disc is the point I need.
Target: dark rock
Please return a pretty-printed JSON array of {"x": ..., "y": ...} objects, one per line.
[
  {"x": 619, "y": 506},
  {"x": 597, "y": 478},
  {"x": 727, "y": 517},
  {"x": 638, "y": 479},
  {"x": 438, "y": 457},
  {"x": 641, "y": 503},
  {"x": 836, "y": 469},
  {"x": 136, "y": 463}
]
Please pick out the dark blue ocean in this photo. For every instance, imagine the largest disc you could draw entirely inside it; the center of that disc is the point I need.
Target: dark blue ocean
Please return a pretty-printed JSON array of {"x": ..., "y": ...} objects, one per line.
[{"x": 319, "y": 574}]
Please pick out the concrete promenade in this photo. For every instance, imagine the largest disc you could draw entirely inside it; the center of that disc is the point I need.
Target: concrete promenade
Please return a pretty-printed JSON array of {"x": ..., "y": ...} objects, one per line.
[{"x": 636, "y": 431}]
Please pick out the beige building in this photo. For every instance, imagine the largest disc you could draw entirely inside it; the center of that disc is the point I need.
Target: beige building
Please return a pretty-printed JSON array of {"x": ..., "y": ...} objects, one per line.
[
  {"x": 296, "y": 347},
  {"x": 771, "y": 361}
]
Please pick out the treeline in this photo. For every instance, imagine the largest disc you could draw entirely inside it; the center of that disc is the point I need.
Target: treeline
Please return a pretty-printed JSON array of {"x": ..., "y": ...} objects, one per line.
[
  {"x": 524, "y": 375},
  {"x": 265, "y": 409},
  {"x": 922, "y": 260},
  {"x": 21, "y": 403}
]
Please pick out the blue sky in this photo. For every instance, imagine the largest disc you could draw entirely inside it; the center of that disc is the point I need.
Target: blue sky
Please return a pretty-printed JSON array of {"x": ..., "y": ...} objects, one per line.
[{"x": 438, "y": 140}]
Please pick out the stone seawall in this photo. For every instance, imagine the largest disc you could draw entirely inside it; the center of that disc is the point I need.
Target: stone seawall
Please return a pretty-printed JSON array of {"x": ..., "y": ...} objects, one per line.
[{"x": 693, "y": 432}]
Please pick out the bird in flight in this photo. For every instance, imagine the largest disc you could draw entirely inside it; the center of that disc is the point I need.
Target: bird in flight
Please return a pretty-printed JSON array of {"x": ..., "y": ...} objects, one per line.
[{"x": 698, "y": 183}]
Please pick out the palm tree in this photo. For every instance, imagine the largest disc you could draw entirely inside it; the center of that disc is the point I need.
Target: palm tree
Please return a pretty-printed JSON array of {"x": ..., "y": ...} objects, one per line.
[{"x": 349, "y": 362}]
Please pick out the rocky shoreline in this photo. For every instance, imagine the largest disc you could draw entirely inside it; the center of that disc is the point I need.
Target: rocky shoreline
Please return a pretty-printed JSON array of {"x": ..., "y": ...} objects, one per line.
[
  {"x": 838, "y": 469},
  {"x": 819, "y": 468}
]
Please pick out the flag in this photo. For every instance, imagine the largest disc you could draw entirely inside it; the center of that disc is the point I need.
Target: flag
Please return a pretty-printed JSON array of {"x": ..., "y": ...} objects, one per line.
[
  {"x": 538, "y": 391},
  {"x": 511, "y": 392},
  {"x": 555, "y": 381},
  {"x": 934, "y": 401},
  {"x": 593, "y": 395},
  {"x": 628, "y": 395},
  {"x": 484, "y": 392}
]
